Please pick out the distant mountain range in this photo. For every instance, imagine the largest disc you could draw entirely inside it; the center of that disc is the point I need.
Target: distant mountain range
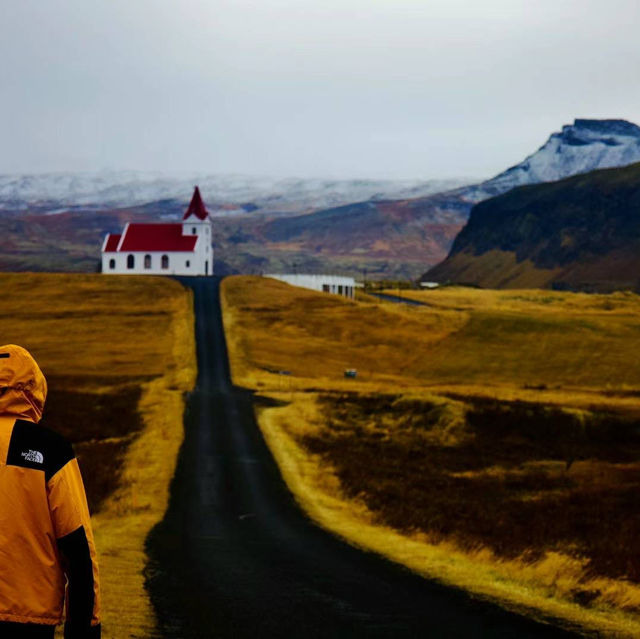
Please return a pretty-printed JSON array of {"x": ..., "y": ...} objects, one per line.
[
  {"x": 58, "y": 221},
  {"x": 580, "y": 233},
  {"x": 381, "y": 228},
  {"x": 400, "y": 237},
  {"x": 225, "y": 194}
]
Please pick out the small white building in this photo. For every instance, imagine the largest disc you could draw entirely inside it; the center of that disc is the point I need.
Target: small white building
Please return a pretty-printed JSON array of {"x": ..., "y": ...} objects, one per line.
[
  {"x": 163, "y": 249},
  {"x": 335, "y": 284}
]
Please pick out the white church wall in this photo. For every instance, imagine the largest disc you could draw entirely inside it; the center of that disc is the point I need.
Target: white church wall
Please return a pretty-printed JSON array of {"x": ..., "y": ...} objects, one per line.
[
  {"x": 177, "y": 263},
  {"x": 199, "y": 227}
]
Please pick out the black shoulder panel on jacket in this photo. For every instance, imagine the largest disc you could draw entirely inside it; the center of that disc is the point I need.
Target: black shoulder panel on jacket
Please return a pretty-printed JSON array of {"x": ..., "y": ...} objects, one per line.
[{"x": 32, "y": 446}]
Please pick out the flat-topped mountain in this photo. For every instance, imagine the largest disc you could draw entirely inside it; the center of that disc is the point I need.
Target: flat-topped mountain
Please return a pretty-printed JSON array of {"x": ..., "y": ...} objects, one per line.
[
  {"x": 582, "y": 233},
  {"x": 580, "y": 147}
]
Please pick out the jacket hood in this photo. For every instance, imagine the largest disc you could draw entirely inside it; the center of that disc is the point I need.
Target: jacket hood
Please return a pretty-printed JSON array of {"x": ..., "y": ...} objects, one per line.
[{"x": 23, "y": 387}]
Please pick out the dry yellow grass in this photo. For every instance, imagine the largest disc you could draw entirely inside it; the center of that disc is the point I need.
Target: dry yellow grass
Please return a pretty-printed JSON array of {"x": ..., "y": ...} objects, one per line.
[
  {"x": 523, "y": 301},
  {"x": 94, "y": 334},
  {"x": 552, "y": 346},
  {"x": 536, "y": 338},
  {"x": 533, "y": 588},
  {"x": 567, "y": 350},
  {"x": 140, "y": 502},
  {"x": 315, "y": 337},
  {"x": 97, "y": 329}
]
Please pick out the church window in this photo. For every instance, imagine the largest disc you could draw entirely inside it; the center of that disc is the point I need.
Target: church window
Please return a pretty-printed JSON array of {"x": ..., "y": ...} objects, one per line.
[
  {"x": 131, "y": 261},
  {"x": 112, "y": 263},
  {"x": 193, "y": 230},
  {"x": 165, "y": 261},
  {"x": 147, "y": 261},
  {"x": 188, "y": 263}
]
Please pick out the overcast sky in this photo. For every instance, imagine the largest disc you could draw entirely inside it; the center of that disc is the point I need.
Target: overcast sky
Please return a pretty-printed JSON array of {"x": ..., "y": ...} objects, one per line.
[{"x": 340, "y": 88}]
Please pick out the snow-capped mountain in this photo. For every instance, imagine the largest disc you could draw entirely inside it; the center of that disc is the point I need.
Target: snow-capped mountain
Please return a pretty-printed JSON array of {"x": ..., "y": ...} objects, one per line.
[
  {"x": 580, "y": 147},
  {"x": 112, "y": 189},
  {"x": 578, "y": 224}
]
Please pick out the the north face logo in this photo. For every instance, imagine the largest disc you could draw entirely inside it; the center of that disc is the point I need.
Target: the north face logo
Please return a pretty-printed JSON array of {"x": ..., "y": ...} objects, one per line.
[{"x": 34, "y": 456}]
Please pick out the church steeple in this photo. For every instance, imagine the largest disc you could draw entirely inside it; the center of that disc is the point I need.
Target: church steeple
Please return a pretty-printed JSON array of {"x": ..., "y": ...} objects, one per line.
[{"x": 196, "y": 207}]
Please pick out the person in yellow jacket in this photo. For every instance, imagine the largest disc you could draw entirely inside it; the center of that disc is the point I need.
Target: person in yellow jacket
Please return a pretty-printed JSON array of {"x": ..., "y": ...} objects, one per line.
[{"x": 47, "y": 554}]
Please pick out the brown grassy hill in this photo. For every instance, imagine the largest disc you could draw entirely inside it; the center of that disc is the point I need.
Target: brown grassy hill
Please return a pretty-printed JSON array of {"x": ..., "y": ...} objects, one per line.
[
  {"x": 64, "y": 242},
  {"x": 389, "y": 238}
]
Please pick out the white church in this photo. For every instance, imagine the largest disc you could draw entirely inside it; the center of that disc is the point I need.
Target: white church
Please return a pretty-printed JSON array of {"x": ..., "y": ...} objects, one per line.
[{"x": 163, "y": 249}]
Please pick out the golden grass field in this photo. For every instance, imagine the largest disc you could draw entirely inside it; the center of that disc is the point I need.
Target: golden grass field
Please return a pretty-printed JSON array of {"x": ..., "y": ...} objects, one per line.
[
  {"x": 491, "y": 439},
  {"x": 118, "y": 354}
]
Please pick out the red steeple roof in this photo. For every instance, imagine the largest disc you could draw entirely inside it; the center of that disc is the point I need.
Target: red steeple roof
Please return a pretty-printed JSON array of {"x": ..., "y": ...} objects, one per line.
[{"x": 196, "y": 207}]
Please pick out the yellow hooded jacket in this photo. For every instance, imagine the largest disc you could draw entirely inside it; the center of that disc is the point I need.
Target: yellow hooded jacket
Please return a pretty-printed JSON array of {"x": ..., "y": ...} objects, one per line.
[{"x": 45, "y": 529}]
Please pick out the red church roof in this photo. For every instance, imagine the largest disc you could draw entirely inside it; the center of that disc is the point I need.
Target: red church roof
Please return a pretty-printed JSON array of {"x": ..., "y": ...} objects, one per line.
[
  {"x": 112, "y": 243},
  {"x": 196, "y": 207},
  {"x": 157, "y": 237}
]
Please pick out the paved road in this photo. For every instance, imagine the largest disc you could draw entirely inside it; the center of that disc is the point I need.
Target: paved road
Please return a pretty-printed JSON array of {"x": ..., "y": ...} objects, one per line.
[
  {"x": 397, "y": 299},
  {"x": 235, "y": 557}
]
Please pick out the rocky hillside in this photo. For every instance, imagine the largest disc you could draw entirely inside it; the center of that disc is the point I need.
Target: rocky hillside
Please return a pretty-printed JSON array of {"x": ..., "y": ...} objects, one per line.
[
  {"x": 387, "y": 238},
  {"x": 579, "y": 233}
]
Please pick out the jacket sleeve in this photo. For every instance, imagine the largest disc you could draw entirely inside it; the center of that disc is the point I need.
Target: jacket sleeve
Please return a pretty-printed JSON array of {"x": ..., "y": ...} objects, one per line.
[{"x": 72, "y": 526}]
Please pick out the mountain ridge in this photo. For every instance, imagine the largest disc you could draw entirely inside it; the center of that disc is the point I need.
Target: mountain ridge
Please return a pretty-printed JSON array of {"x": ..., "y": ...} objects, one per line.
[
  {"x": 611, "y": 143},
  {"x": 117, "y": 189},
  {"x": 581, "y": 232}
]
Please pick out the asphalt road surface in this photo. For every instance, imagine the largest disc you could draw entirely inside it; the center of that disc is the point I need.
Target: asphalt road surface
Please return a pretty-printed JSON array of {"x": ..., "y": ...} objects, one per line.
[
  {"x": 235, "y": 556},
  {"x": 398, "y": 299}
]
